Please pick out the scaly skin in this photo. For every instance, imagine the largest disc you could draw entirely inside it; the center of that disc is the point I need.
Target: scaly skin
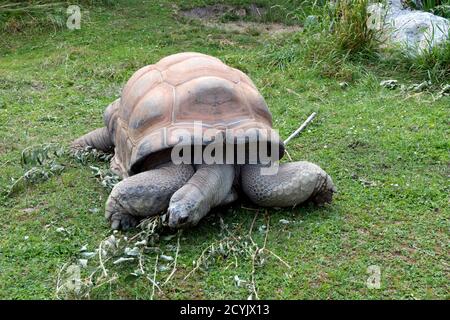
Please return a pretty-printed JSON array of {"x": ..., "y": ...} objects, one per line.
[
  {"x": 209, "y": 187},
  {"x": 145, "y": 194},
  {"x": 98, "y": 139},
  {"x": 294, "y": 183}
]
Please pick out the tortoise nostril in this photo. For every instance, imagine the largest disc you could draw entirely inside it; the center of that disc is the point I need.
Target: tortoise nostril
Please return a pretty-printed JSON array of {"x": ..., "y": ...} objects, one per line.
[{"x": 183, "y": 220}]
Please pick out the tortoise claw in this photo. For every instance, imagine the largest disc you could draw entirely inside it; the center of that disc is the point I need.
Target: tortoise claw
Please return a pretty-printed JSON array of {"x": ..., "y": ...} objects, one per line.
[{"x": 123, "y": 221}]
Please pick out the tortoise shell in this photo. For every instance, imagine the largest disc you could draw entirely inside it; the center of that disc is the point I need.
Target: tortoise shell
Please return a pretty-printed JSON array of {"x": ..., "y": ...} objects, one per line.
[{"x": 177, "y": 93}]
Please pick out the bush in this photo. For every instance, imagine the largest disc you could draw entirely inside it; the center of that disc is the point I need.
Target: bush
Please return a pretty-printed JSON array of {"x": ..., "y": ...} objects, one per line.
[
  {"x": 349, "y": 26},
  {"x": 340, "y": 36},
  {"x": 343, "y": 35},
  {"x": 432, "y": 64}
]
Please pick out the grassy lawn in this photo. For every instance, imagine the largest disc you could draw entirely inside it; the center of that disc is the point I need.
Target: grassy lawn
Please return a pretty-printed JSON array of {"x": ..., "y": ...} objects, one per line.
[{"x": 387, "y": 152}]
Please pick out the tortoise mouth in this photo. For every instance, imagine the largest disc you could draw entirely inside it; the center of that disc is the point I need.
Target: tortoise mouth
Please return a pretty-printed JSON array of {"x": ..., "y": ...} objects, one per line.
[{"x": 244, "y": 152}]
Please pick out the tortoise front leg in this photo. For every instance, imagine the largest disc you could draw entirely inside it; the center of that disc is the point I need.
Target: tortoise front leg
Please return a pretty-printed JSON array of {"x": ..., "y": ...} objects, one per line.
[
  {"x": 210, "y": 186},
  {"x": 98, "y": 139},
  {"x": 145, "y": 194},
  {"x": 294, "y": 183}
]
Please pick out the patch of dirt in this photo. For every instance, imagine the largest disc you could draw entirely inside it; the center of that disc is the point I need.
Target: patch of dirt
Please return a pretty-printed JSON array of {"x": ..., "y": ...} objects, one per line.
[
  {"x": 253, "y": 27},
  {"x": 217, "y": 11},
  {"x": 27, "y": 214},
  {"x": 29, "y": 210},
  {"x": 37, "y": 86},
  {"x": 230, "y": 19},
  {"x": 9, "y": 83},
  {"x": 357, "y": 144}
]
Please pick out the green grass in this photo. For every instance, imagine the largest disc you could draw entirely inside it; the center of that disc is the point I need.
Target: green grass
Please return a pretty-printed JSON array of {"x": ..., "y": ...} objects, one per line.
[
  {"x": 387, "y": 152},
  {"x": 18, "y": 16},
  {"x": 438, "y": 7}
]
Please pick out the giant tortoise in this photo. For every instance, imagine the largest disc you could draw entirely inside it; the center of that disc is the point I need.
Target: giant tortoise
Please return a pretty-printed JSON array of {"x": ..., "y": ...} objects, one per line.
[{"x": 175, "y": 103}]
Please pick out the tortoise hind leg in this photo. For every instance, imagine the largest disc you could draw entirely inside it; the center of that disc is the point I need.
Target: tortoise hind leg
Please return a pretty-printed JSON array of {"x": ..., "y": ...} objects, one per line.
[
  {"x": 98, "y": 139},
  {"x": 102, "y": 138},
  {"x": 294, "y": 183}
]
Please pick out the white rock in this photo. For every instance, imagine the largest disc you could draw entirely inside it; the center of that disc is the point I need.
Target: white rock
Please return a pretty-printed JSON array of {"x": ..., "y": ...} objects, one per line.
[
  {"x": 419, "y": 87},
  {"x": 389, "y": 84},
  {"x": 413, "y": 29},
  {"x": 445, "y": 91}
]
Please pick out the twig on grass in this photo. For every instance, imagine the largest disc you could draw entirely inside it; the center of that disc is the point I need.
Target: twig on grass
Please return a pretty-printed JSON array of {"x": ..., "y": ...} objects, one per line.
[
  {"x": 154, "y": 278},
  {"x": 175, "y": 262},
  {"x": 301, "y": 128},
  {"x": 293, "y": 92},
  {"x": 58, "y": 280},
  {"x": 267, "y": 231},
  {"x": 278, "y": 257},
  {"x": 109, "y": 281},
  {"x": 288, "y": 155},
  {"x": 251, "y": 227},
  {"x": 255, "y": 254},
  {"x": 202, "y": 255},
  {"x": 100, "y": 259},
  {"x": 250, "y": 209}
]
